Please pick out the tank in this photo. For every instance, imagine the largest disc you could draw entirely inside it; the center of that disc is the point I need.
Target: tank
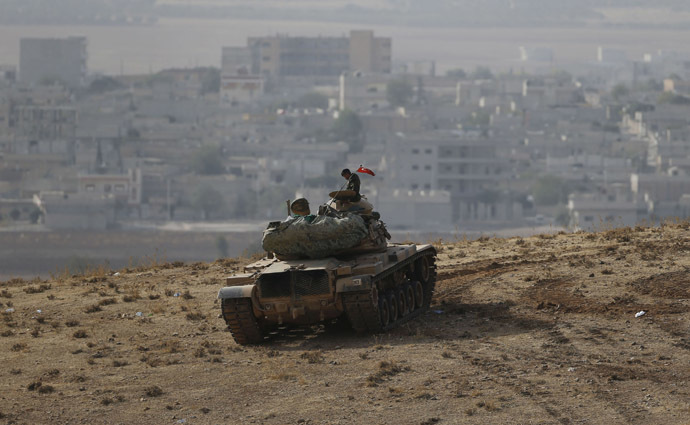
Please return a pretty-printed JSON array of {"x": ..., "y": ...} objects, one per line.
[
  {"x": 373, "y": 291},
  {"x": 337, "y": 264}
]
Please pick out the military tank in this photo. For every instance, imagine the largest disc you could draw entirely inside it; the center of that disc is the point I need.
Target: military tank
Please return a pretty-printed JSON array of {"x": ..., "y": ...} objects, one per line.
[{"x": 373, "y": 284}]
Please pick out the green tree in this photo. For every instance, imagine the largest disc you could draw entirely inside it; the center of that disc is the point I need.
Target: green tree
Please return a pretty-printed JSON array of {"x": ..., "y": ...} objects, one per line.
[
  {"x": 672, "y": 98},
  {"x": 619, "y": 91},
  {"x": 349, "y": 128},
  {"x": 399, "y": 92},
  {"x": 549, "y": 190},
  {"x": 222, "y": 246},
  {"x": 207, "y": 161},
  {"x": 482, "y": 73},
  {"x": 209, "y": 201},
  {"x": 313, "y": 100},
  {"x": 458, "y": 73},
  {"x": 104, "y": 84}
]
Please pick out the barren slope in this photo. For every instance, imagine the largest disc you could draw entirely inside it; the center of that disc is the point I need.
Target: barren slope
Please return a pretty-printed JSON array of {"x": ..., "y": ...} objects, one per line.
[{"x": 535, "y": 330}]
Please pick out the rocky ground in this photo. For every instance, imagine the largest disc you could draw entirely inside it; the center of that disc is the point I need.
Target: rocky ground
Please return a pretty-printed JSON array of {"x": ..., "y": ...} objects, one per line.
[{"x": 538, "y": 330}]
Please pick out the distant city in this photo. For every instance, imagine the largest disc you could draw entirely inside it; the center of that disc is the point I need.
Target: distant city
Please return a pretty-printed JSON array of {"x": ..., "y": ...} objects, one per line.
[{"x": 471, "y": 150}]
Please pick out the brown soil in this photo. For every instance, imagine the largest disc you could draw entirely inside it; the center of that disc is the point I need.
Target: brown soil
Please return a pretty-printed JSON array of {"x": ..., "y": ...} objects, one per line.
[{"x": 539, "y": 330}]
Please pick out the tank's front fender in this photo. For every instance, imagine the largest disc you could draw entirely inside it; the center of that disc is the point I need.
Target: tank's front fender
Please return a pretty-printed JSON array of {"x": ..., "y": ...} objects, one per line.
[{"x": 245, "y": 291}]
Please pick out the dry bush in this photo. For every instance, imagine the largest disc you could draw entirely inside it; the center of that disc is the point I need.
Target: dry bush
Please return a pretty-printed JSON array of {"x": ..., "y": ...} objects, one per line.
[
  {"x": 35, "y": 332},
  {"x": 386, "y": 369},
  {"x": 153, "y": 391},
  {"x": 195, "y": 316},
  {"x": 71, "y": 323},
  {"x": 313, "y": 357},
  {"x": 107, "y": 301},
  {"x": 171, "y": 346},
  {"x": 34, "y": 385},
  {"x": 285, "y": 376},
  {"x": 37, "y": 289},
  {"x": 187, "y": 295},
  {"x": 154, "y": 296},
  {"x": 5, "y": 294},
  {"x": 93, "y": 309},
  {"x": 120, "y": 363},
  {"x": 200, "y": 352},
  {"x": 80, "y": 334},
  {"x": 7, "y": 333}
]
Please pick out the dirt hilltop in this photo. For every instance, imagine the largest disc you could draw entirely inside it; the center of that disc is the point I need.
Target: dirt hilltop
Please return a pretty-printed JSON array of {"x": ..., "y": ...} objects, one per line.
[{"x": 540, "y": 330}]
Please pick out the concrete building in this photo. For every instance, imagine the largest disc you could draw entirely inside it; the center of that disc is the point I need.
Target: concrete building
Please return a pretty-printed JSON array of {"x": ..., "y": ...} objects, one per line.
[
  {"x": 76, "y": 210},
  {"x": 53, "y": 59},
  {"x": 609, "y": 55},
  {"x": 46, "y": 122},
  {"x": 284, "y": 56},
  {"x": 122, "y": 187},
  {"x": 462, "y": 164},
  {"x": 536, "y": 54}
]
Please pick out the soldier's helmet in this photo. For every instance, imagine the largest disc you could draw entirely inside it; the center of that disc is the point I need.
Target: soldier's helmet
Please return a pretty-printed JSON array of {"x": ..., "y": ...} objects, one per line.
[{"x": 300, "y": 207}]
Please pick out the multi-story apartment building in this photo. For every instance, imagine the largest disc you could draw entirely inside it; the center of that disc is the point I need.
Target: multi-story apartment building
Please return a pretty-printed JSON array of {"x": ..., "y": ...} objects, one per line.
[
  {"x": 53, "y": 59},
  {"x": 46, "y": 122},
  {"x": 464, "y": 165},
  {"x": 285, "y": 56}
]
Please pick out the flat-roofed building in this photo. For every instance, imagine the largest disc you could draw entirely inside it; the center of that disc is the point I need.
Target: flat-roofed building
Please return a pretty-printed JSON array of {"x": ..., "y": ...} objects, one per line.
[
  {"x": 285, "y": 56},
  {"x": 44, "y": 60}
]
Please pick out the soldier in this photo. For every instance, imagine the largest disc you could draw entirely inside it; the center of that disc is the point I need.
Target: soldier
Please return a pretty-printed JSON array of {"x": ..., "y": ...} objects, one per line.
[{"x": 353, "y": 184}]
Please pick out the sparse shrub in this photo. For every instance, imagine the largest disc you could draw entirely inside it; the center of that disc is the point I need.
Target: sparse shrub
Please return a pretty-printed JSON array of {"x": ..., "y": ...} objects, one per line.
[
  {"x": 93, "y": 309},
  {"x": 5, "y": 294},
  {"x": 71, "y": 323},
  {"x": 312, "y": 357},
  {"x": 153, "y": 391},
  {"x": 195, "y": 316},
  {"x": 187, "y": 295},
  {"x": 154, "y": 296},
  {"x": 120, "y": 363},
  {"x": 107, "y": 301},
  {"x": 80, "y": 334},
  {"x": 36, "y": 289},
  {"x": 200, "y": 352},
  {"x": 35, "y": 332},
  {"x": 18, "y": 347},
  {"x": 386, "y": 369},
  {"x": 7, "y": 333},
  {"x": 34, "y": 385}
]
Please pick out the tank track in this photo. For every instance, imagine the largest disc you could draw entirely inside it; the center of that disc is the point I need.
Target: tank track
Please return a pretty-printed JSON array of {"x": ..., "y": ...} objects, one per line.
[
  {"x": 239, "y": 317},
  {"x": 362, "y": 311}
]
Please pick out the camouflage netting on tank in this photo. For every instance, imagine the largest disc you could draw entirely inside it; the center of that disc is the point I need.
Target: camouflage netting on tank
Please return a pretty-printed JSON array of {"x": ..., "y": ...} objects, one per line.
[{"x": 325, "y": 236}]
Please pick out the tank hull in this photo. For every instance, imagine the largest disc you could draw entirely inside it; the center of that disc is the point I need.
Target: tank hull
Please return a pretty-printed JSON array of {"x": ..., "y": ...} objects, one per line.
[{"x": 373, "y": 291}]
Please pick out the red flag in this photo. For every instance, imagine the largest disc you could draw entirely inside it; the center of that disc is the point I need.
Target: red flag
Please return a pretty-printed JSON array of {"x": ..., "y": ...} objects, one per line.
[{"x": 365, "y": 171}]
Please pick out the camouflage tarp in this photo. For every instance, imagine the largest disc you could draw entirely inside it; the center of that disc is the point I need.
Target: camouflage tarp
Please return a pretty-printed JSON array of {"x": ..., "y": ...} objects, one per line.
[{"x": 324, "y": 236}]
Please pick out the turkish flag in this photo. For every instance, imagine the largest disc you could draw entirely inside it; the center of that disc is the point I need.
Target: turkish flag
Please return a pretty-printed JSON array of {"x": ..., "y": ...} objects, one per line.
[{"x": 365, "y": 171}]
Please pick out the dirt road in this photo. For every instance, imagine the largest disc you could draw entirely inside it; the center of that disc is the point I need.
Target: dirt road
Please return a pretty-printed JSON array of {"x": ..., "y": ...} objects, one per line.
[{"x": 539, "y": 330}]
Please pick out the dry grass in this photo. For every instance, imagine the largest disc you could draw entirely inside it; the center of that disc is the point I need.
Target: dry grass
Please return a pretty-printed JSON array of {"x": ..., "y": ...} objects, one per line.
[
  {"x": 37, "y": 289},
  {"x": 313, "y": 357},
  {"x": 386, "y": 370}
]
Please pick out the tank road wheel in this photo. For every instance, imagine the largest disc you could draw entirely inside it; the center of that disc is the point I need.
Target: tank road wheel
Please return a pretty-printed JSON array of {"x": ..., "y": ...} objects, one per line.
[
  {"x": 422, "y": 270},
  {"x": 392, "y": 305},
  {"x": 409, "y": 297},
  {"x": 239, "y": 316},
  {"x": 418, "y": 290},
  {"x": 384, "y": 311},
  {"x": 402, "y": 301}
]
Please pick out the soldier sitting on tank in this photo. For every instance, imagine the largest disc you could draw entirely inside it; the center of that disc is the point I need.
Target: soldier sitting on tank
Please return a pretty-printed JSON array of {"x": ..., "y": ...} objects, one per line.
[
  {"x": 300, "y": 208},
  {"x": 353, "y": 184}
]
